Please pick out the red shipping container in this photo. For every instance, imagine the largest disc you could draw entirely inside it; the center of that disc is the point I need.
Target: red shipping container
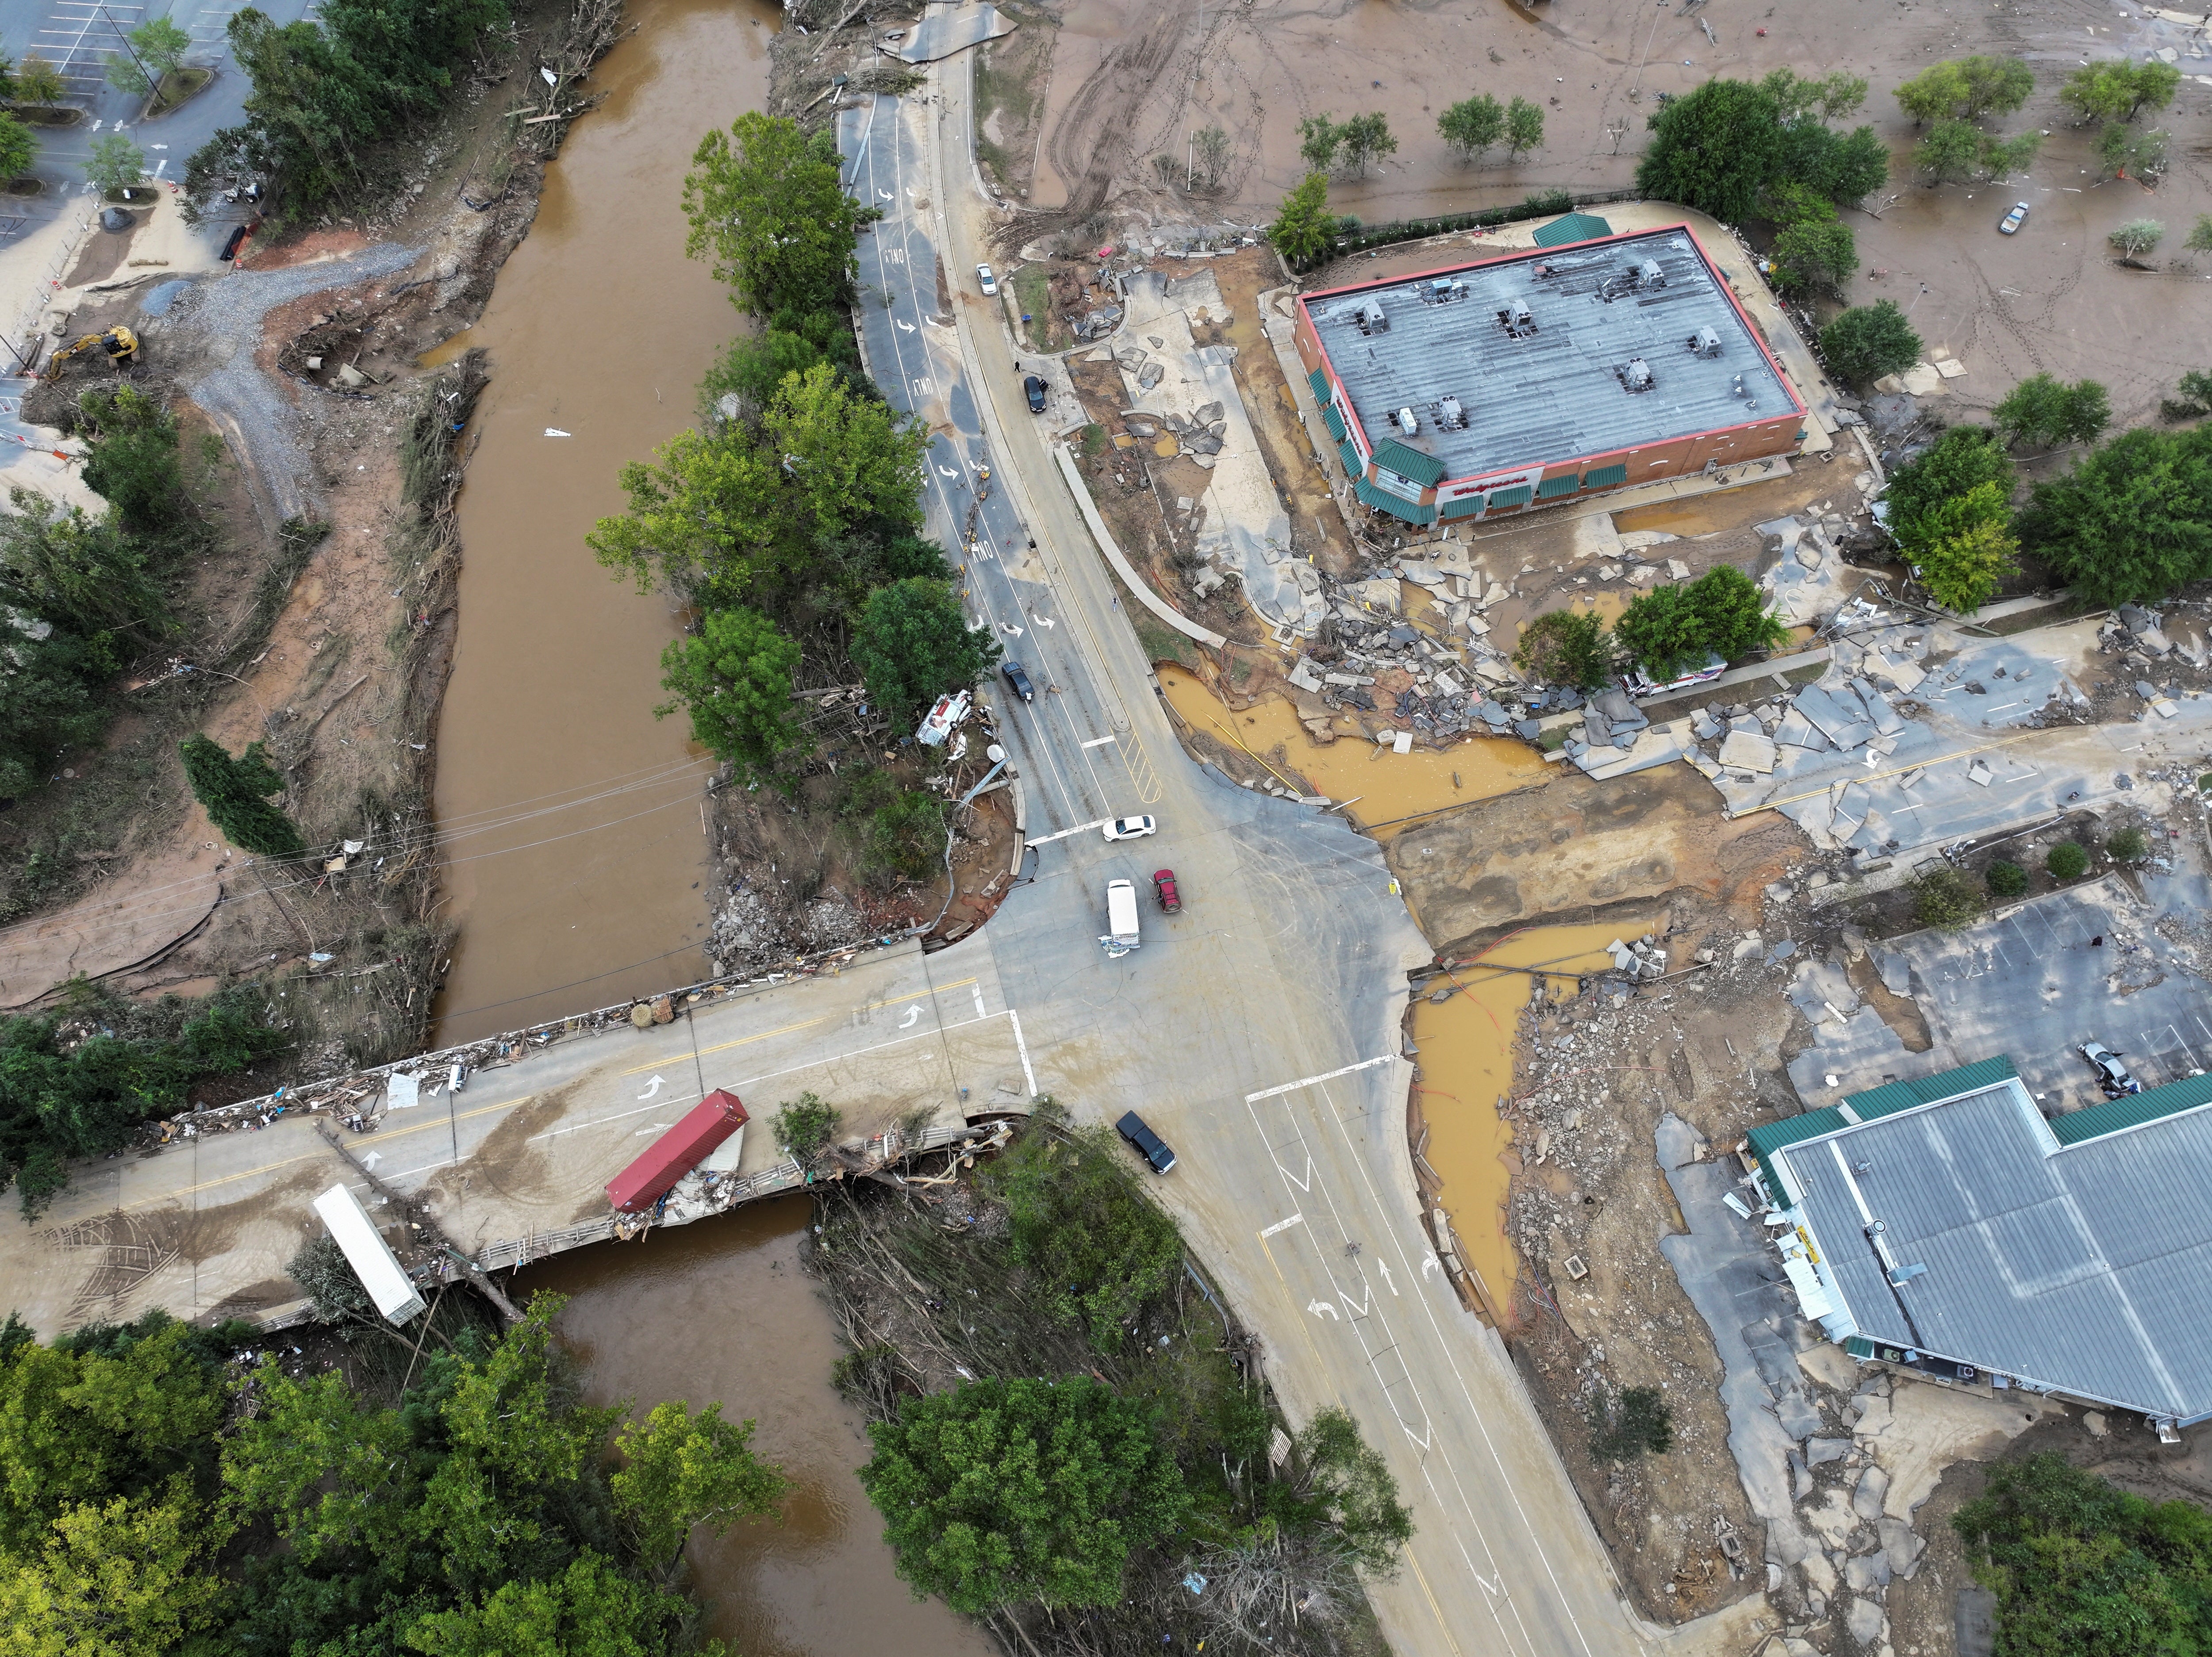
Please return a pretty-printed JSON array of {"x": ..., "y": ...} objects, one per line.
[{"x": 678, "y": 1151}]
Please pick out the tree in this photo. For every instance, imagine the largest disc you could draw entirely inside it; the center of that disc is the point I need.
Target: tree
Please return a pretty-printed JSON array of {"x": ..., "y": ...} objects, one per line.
[
  {"x": 1827, "y": 98},
  {"x": 2118, "y": 90},
  {"x": 1320, "y": 138},
  {"x": 1524, "y": 127},
  {"x": 766, "y": 203},
  {"x": 113, "y": 1579},
  {"x": 805, "y": 1127},
  {"x": 2200, "y": 234},
  {"x": 38, "y": 81},
  {"x": 1868, "y": 341},
  {"x": 1363, "y": 138},
  {"x": 18, "y": 149},
  {"x": 234, "y": 791},
  {"x": 1079, "y": 1222},
  {"x": 1942, "y": 896},
  {"x": 2136, "y": 237},
  {"x": 2191, "y": 398},
  {"x": 1304, "y": 229},
  {"x": 733, "y": 677},
  {"x": 1662, "y": 632},
  {"x": 159, "y": 46},
  {"x": 913, "y": 645},
  {"x": 1968, "y": 549},
  {"x": 590, "y": 1609},
  {"x": 2047, "y": 412},
  {"x": 78, "y": 573},
  {"x": 1816, "y": 254},
  {"x": 1714, "y": 149},
  {"x": 1961, "y": 460},
  {"x": 1472, "y": 125},
  {"x": 2129, "y": 846},
  {"x": 1845, "y": 169},
  {"x": 117, "y": 164},
  {"x": 1001, "y": 1492},
  {"x": 1734, "y": 613},
  {"x": 680, "y": 1470},
  {"x": 2005, "y": 879},
  {"x": 1566, "y": 647},
  {"x": 1951, "y": 152},
  {"x": 1210, "y": 152},
  {"x": 134, "y": 461},
  {"x": 2132, "y": 521},
  {"x": 2067, "y": 861},
  {"x": 1348, "y": 1487},
  {"x": 2122, "y": 152},
  {"x": 1968, "y": 86}
]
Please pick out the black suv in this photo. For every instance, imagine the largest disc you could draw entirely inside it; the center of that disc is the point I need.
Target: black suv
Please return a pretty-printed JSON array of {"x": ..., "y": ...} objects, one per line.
[
  {"x": 1019, "y": 678},
  {"x": 1148, "y": 1144},
  {"x": 1034, "y": 387}
]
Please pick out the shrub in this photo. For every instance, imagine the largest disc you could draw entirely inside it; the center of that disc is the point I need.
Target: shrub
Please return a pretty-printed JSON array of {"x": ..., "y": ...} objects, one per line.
[
  {"x": 236, "y": 791},
  {"x": 2136, "y": 237},
  {"x": 805, "y": 1127},
  {"x": 1943, "y": 897},
  {"x": 2006, "y": 879},
  {"x": 1566, "y": 647},
  {"x": 2129, "y": 846},
  {"x": 1640, "y": 1421},
  {"x": 2067, "y": 861}
]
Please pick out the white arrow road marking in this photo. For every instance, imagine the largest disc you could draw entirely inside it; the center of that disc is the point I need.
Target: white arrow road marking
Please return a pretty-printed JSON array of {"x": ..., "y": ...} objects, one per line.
[
  {"x": 1366, "y": 1301},
  {"x": 946, "y": 471},
  {"x": 887, "y": 195},
  {"x": 1420, "y": 1438},
  {"x": 909, "y": 327},
  {"x": 652, "y": 1088},
  {"x": 1305, "y": 1184},
  {"x": 1283, "y": 1225},
  {"x": 554, "y": 431},
  {"x": 1041, "y": 621},
  {"x": 371, "y": 1159},
  {"x": 1493, "y": 1590},
  {"x": 1387, "y": 1284},
  {"x": 1322, "y": 1309},
  {"x": 912, "y": 1014},
  {"x": 1430, "y": 1263}
]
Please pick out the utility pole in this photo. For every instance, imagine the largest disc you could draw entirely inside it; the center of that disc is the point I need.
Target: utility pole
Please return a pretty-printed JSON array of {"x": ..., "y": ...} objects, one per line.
[
  {"x": 1637, "y": 91},
  {"x": 153, "y": 86}
]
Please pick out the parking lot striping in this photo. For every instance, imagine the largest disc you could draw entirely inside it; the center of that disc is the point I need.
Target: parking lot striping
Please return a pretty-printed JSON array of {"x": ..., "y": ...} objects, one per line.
[
  {"x": 1080, "y": 827},
  {"x": 809, "y": 1023},
  {"x": 1098, "y": 742},
  {"x": 1293, "y": 1087},
  {"x": 1022, "y": 1047}
]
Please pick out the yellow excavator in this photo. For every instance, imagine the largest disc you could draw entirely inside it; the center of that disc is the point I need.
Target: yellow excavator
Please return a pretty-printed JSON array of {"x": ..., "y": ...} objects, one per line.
[{"x": 118, "y": 342}]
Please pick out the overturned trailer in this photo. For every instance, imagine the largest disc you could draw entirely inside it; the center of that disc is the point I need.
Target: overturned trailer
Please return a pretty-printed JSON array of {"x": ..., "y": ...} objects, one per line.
[
  {"x": 370, "y": 1256},
  {"x": 705, "y": 1127}
]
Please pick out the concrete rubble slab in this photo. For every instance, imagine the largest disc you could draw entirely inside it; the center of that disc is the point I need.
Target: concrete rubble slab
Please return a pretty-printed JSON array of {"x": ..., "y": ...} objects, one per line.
[{"x": 1744, "y": 750}]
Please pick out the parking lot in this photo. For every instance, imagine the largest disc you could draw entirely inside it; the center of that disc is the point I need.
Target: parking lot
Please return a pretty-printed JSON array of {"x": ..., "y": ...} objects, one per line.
[{"x": 2080, "y": 965}]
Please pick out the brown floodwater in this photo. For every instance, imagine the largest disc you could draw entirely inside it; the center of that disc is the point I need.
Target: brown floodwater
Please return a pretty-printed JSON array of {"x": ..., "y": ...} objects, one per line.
[
  {"x": 576, "y": 832},
  {"x": 1385, "y": 786},
  {"x": 720, "y": 1310},
  {"x": 1465, "y": 1058}
]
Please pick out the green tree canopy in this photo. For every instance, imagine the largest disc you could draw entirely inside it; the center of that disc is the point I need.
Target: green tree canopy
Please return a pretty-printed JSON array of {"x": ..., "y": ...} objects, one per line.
[
  {"x": 133, "y": 463},
  {"x": 2132, "y": 521},
  {"x": 1350, "y": 1488},
  {"x": 1962, "y": 459},
  {"x": 768, "y": 205},
  {"x": 1966, "y": 548},
  {"x": 913, "y": 645},
  {"x": 116, "y": 164},
  {"x": 2117, "y": 90},
  {"x": 1868, "y": 341},
  {"x": 159, "y": 46},
  {"x": 2050, "y": 414},
  {"x": 1734, "y": 613},
  {"x": 18, "y": 148},
  {"x": 680, "y": 1470},
  {"x": 906, "y": 837},
  {"x": 1727, "y": 147},
  {"x": 1472, "y": 125},
  {"x": 1364, "y": 139},
  {"x": 1816, "y": 255},
  {"x": 1966, "y": 87},
  {"x": 1001, "y": 1492},
  {"x": 1524, "y": 127},
  {"x": 1320, "y": 138},
  {"x": 1304, "y": 227},
  {"x": 234, "y": 790},
  {"x": 733, "y": 677},
  {"x": 38, "y": 81},
  {"x": 2136, "y": 237},
  {"x": 1566, "y": 647},
  {"x": 1661, "y": 632}
]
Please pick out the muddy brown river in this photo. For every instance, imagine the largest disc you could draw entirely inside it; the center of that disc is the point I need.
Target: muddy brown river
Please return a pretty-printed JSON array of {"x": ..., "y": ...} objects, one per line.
[
  {"x": 578, "y": 846},
  {"x": 578, "y": 842}
]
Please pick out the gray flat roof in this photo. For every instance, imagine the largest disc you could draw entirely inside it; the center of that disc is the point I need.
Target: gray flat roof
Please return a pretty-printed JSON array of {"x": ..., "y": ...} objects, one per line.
[
  {"x": 2085, "y": 1268},
  {"x": 1551, "y": 396}
]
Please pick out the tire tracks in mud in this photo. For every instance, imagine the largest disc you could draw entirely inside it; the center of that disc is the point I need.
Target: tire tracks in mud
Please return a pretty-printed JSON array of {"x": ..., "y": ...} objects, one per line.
[{"x": 1092, "y": 143}]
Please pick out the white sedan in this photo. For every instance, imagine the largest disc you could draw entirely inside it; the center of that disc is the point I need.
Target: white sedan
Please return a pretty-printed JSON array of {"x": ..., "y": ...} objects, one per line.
[
  {"x": 990, "y": 282},
  {"x": 1131, "y": 828}
]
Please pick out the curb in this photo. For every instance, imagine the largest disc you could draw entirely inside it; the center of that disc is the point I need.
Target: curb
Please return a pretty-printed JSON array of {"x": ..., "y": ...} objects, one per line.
[{"x": 1136, "y": 583}]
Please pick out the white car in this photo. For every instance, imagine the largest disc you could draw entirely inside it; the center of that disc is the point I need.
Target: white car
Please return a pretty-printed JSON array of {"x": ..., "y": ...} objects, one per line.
[
  {"x": 990, "y": 282},
  {"x": 1131, "y": 828}
]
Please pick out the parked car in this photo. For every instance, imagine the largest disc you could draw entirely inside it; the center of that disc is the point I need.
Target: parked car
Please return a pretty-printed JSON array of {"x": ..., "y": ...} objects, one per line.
[
  {"x": 1163, "y": 888},
  {"x": 1130, "y": 828},
  {"x": 1148, "y": 1144},
  {"x": 2112, "y": 1076},
  {"x": 2013, "y": 221},
  {"x": 1018, "y": 676},
  {"x": 990, "y": 282},
  {"x": 1034, "y": 389}
]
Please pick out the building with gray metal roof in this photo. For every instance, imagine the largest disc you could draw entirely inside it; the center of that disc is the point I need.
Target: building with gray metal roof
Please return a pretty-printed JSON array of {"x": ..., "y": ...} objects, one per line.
[
  {"x": 1945, "y": 1222},
  {"x": 1510, "y": 383}
]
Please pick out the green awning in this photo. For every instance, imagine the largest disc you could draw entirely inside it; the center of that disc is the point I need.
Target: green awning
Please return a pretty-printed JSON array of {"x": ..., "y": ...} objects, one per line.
[
  {"x": 1606, "y": 477},
  {"x": 1576, "y": 227},
  {"x": 1334, "y": 422},
  {"x": 1518, "y": 496},
  {"x": 1383, "y": 501},
  {"x": 1319, "y": 381},
  {"x": 1353, "y": 465},
  {"x": 1465, "y": 507},
  {"x": 1552, "y": 488},
  {"x": 1410, "y": 463}
]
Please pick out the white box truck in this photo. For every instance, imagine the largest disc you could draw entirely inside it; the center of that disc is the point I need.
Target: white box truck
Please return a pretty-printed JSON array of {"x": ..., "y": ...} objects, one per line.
[
  {"x": 1121, "y": 918},
  {"x": 370, "y": 1256}
]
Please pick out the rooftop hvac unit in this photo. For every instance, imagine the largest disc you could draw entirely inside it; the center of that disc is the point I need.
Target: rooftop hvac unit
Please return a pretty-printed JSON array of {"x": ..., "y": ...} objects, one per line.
[
  {"x": 1636, "y": 375},
  {"x": 1406, "y": 422},
  {"x": 1451, "y": 415},
  {"x": 1705, "y": 344},
  {"x": 1371, "y": 318},
  {"x": 1650, "y": 275},
  {"x": 1516, "y": 319},
  {"x": 1444, "y": 289}
]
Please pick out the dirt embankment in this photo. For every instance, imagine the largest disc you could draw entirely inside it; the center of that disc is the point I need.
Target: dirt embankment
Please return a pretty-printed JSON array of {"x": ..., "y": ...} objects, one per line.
[{"x": 322, "y": 623}]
